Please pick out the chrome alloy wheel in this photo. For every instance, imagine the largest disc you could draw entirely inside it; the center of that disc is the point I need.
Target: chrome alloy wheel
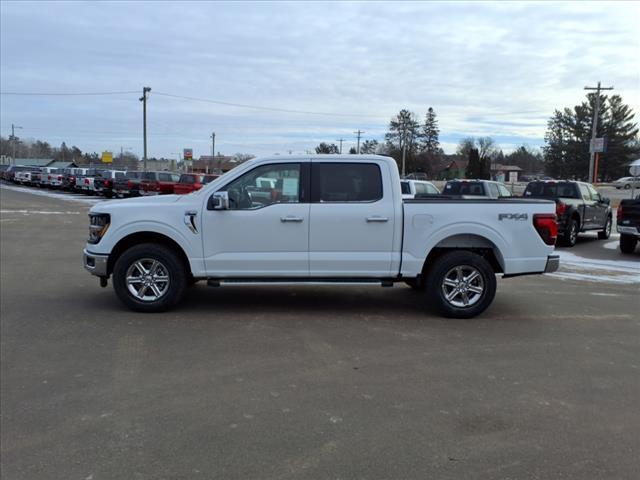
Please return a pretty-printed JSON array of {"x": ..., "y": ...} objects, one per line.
[
  {"x": 147, "y": 279},
  {"x": 463, "y": 286}
]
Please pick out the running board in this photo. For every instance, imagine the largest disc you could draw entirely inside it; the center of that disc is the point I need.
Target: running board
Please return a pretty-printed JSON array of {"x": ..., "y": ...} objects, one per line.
[{"x": 219, "y": 282}]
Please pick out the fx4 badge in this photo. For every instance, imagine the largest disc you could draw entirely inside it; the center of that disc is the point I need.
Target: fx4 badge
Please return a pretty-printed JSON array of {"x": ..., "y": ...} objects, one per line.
[{"x": 513, "y": 216}]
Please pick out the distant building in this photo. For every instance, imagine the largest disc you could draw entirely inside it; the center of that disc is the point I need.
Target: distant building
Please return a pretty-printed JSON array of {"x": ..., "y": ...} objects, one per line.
[
  {"x": 44, "y": 162},
  {"x": 218, "y": 164},
  {"x": 160, "y": 164},
  {"x": 502, "y": 172},
  {"x": 455, "y": 169}
]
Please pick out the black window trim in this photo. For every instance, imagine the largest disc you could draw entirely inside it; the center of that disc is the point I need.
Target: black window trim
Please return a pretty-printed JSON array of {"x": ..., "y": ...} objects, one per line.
[{"x": 315, "y": 194}]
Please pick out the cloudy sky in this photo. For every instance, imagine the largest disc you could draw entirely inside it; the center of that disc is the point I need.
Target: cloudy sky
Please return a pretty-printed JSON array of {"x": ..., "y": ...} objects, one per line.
[{"x": 497, "y": 69}]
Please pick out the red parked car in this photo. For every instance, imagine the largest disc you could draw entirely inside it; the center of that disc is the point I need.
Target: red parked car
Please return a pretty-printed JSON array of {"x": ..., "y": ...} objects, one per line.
[
  {"x": 190, "y": 182},
  {"x": 158, "y": 183}
]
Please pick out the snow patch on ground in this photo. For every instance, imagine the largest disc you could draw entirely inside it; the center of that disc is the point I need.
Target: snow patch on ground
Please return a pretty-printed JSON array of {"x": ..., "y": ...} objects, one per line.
[
  {"x": 612, "y": 245},
  {"x": 70, "y": 197},
  {"x": 39, "y": 212},
  {"x": 574, "y": 267}
]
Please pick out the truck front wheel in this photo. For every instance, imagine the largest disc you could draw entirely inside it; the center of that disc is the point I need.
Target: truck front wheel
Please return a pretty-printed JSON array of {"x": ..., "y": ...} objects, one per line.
[
  {"x": 461, "y": 284},
  {"x": 149, "y": 278}
]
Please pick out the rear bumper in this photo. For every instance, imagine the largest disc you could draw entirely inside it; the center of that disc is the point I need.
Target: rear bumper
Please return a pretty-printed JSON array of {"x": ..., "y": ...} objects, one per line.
[
  {"x": 95, "y": 263},
  {"x": 626, "y": 230},
  {"x": 553, "y": 263}
]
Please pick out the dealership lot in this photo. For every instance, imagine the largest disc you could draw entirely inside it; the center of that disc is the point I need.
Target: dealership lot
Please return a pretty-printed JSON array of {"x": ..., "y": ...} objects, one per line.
[{"x": 311, "y": 382}]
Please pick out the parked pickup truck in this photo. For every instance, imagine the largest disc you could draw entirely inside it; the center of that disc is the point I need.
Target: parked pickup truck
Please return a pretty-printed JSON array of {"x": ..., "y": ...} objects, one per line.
[
  {"x": 476, "y": 188},
  {"x": 128, "y": 185},
  {"x": 190, "y": 182},
  {"x": 628, "y": 224},
  {"x": 579, "y": 208},
  {"x": 321, "y": 219},
  {"x": 158, "y": 183},
  {"x": 411, "y": 188},
  {"x": 103, "y": 182}
]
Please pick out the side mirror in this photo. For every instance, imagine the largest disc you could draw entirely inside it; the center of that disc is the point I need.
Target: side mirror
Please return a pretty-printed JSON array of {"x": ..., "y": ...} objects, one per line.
[{"x": 218, "y": 201}]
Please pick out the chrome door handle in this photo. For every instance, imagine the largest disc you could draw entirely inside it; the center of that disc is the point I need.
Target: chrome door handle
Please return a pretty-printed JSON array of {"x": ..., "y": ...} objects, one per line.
[
  {"x": 377, "y": 219},
  {"x": 291, "y": 219}
]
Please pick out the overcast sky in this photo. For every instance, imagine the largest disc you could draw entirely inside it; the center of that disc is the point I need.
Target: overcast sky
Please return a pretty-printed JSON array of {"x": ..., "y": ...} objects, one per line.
[{"x": 496, "y": 69}]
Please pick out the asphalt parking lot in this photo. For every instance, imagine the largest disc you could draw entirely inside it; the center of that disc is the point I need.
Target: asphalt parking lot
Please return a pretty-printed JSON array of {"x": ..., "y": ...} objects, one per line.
[{"x": 311, "y": 382}]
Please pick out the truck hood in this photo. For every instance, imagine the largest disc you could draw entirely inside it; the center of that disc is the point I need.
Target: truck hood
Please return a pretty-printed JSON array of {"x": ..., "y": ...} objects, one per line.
[{"x": 138, "y": 202}]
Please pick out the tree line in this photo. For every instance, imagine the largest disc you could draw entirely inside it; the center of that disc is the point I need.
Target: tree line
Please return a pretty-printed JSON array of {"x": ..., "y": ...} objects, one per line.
[{"x": 564, "y": 155}]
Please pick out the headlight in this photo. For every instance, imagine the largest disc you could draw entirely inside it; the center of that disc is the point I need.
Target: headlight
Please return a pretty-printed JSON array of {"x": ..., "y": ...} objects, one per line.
[{"x": 98, "y": 225}]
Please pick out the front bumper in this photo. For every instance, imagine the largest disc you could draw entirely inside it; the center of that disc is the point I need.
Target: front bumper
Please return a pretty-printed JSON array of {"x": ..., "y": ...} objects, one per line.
[
  {"x": 553, "y": 263},
  {"x": 95, "y": 263}
]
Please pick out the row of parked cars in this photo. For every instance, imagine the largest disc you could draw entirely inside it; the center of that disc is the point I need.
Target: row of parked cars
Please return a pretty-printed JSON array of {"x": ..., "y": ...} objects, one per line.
[
  {"x": 108, "y": 183},
  {"x": 579, "y": 206}
]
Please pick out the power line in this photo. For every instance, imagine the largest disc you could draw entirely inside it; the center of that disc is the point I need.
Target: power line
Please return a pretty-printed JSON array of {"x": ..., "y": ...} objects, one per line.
[
  {"x": 258, "y": 107},
  {"x": 63, "y": 94}
]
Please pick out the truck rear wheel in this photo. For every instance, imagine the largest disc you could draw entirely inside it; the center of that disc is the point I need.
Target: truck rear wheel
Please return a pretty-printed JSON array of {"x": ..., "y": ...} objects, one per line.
[
  {"x": 149, "y": 278},
  {"x": 627, "y": 243},
  {"x": 570, "y": 236},
  {"x": 461, "y": 284}
]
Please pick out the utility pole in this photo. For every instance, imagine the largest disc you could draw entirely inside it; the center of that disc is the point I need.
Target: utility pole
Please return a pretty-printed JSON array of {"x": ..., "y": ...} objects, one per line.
[
  {"x": 213, "y": 149},
  {"x": 143, "y": 99},
  {"x": 358, "y": 133},
  {"x": 404, "y": 152},
  {"x": 340, "y": 140},
  {"x": 14, "y": 141},
  {"x": 594, "y": 129}
]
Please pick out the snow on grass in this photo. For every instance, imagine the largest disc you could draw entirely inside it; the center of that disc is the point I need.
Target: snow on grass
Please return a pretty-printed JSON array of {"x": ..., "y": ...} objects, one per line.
[{"x": 70, "y": 197}]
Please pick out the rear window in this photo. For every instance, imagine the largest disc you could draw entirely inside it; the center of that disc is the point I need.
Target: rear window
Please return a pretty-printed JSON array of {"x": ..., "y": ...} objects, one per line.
[
  {"x": 346, "y": 182},
  {"x": 208, "y": 178},
  {"x": 551, "y": 189},
  {"x": 405, "y": 187},
  {"x": 148, "y": 176},
  {"x": 187, "y": 178},
  {"x": 463, "y": 188},
  {"x": 133, "y": 175}
]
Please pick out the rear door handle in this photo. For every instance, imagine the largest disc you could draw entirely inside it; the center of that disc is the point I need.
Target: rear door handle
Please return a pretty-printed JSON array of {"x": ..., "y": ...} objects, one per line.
[
  {"x": 377, "y": 219},
  {"x": 291, "y": 219}
]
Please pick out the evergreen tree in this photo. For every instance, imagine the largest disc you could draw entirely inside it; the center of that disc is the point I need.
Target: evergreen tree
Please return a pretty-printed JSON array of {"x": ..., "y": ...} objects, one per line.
[{"x": 327, "y": 148}]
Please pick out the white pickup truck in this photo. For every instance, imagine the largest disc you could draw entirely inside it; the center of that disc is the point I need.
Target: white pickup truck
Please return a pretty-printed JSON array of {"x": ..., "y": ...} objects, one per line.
[{"x": 322, "y": 219}]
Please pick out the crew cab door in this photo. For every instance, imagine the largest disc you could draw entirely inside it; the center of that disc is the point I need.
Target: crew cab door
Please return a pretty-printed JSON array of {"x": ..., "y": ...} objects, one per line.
[
  {"x": 590, "y": 217},
  {"x": 352, "y": 220},
  {"x": 265, "y": 231},
  {"x": 600, "y": 208}
]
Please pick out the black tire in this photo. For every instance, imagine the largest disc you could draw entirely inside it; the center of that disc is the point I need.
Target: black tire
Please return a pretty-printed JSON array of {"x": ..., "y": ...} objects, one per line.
[
  {"x": 606, "y": 231},
  {"x": 628, "y": 243},
  {"x": 440, "y": 272},
  {"x": 627, "y": 186},
  {"x": 570, "y": 236},
  {"x": 172, "y": 268}
]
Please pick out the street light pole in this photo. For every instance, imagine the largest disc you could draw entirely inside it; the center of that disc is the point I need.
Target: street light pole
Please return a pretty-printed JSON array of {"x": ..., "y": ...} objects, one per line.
[
  {"x": 143, "y": 99},
  {"x": 13, "y": 142}
]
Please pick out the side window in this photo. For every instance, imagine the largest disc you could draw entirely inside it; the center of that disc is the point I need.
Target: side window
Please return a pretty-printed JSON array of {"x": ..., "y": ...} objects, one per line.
[
  {"x": 175, "y": 177},
  {"x": 432, "y": 190},
  {"x": 346, "y": 182},
  {"x": 493, "y": 190},
  {"x": 264, "y": 186},
  {"x": 406, "y": 189},
  {"x": 164, "y": 177},
  {"x": 595, "y": 196},
  {"x": 584, "y": 191},
  {"x": 421, "y": 188},
  {"x": 504, "y": 191}
]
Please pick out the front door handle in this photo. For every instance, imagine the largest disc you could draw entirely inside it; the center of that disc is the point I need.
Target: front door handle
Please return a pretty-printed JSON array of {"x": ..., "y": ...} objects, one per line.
[
  {"x": 377, "y": 219},
  {"x": 291, "y": 219}
]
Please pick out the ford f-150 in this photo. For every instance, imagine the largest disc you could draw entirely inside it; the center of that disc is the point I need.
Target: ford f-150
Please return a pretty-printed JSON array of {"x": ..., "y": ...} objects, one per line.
[{"x": 317, "y": 219}]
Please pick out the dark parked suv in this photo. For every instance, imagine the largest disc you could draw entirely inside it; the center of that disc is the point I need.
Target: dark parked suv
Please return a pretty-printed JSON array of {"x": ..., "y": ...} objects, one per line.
[{"x": 579, "y": 207}]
